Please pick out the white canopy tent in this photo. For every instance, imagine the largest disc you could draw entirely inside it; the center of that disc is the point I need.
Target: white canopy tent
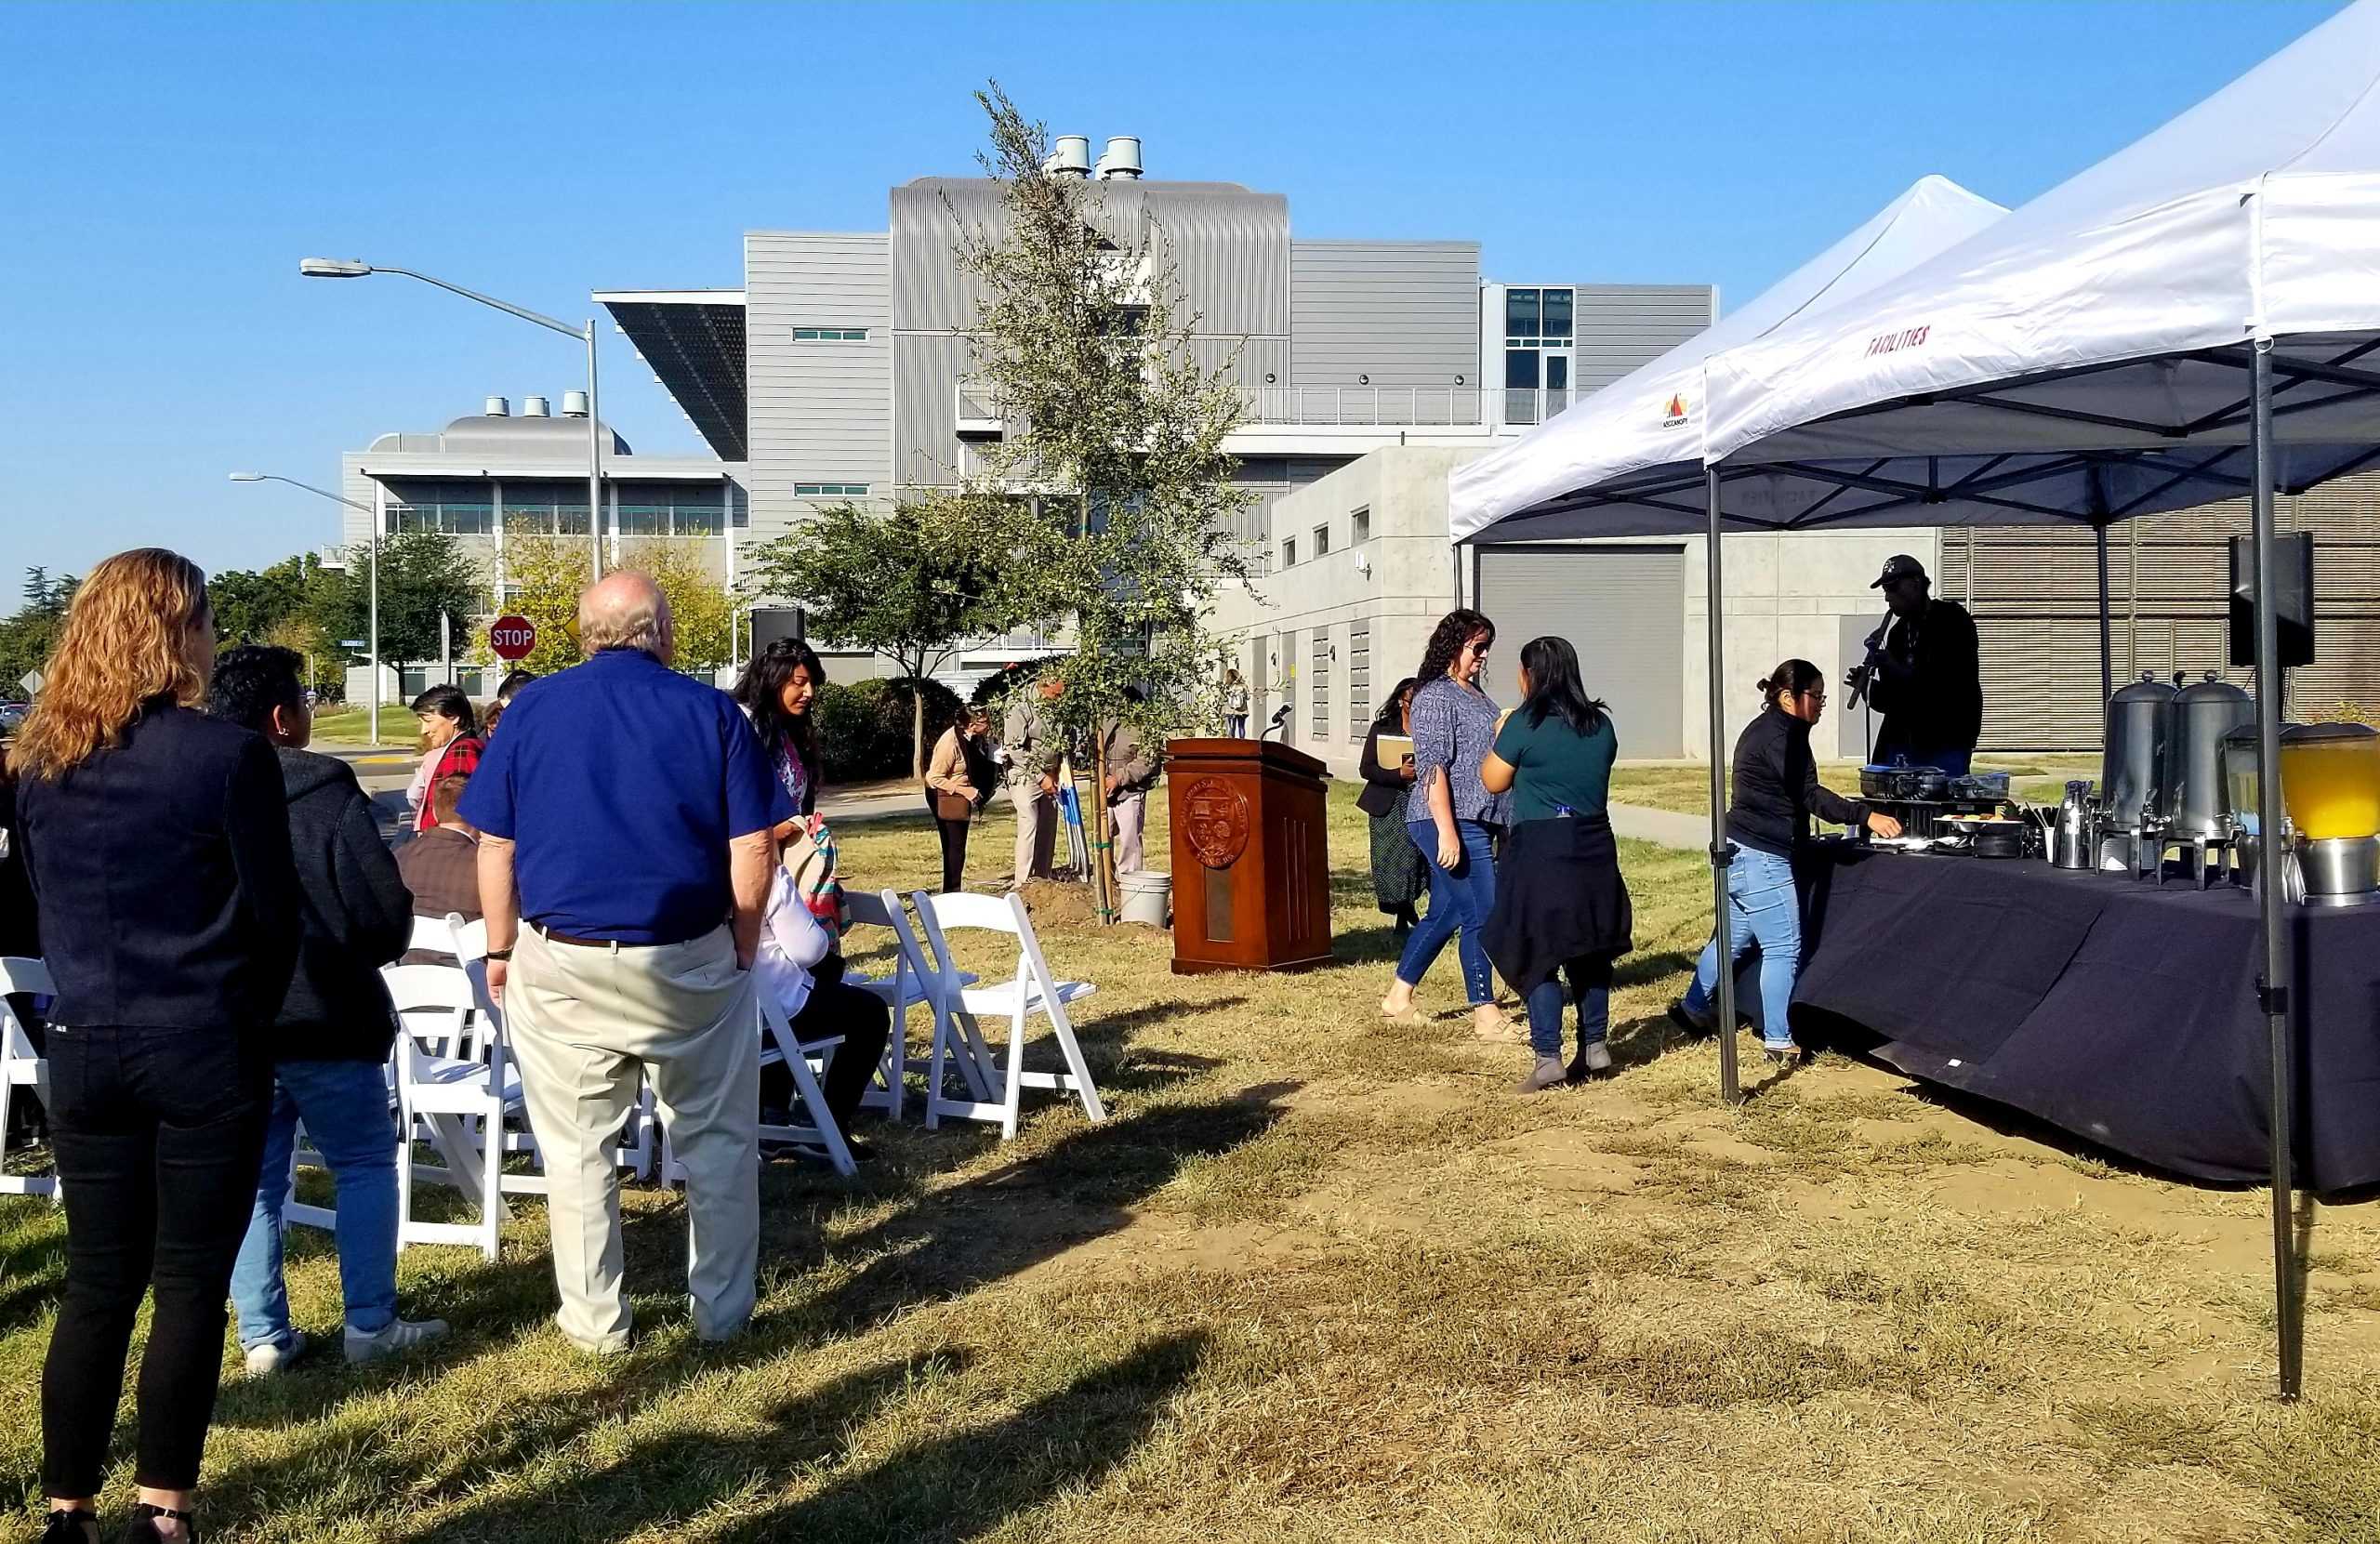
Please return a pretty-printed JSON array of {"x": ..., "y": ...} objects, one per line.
[{"x": 2185, "y": 321}]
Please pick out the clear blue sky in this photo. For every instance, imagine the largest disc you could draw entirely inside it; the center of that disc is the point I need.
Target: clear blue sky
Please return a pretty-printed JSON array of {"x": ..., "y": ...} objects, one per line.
[{"x": 163, "y": 168}]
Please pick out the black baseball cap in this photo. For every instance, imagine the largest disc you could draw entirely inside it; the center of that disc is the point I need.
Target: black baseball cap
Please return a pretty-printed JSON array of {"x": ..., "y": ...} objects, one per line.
[{"x": 1900, "y": 565}]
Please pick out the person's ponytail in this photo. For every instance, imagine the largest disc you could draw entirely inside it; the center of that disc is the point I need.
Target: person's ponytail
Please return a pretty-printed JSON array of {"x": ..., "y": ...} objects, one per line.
[{"x": 1792, "y": 678}]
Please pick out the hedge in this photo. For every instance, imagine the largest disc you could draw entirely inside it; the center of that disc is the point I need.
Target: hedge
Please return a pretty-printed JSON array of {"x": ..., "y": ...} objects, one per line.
[{"x": 864, "y": 729}]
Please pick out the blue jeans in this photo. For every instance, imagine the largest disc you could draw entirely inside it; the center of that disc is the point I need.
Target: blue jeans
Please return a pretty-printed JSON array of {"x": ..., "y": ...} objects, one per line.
[
  {"x": 1764, "y": 908},
  {"x": 1235, "y": 726},
  {"x": 344, "y": 1106},
  {"x": 1458, "y": 899},
  {"x": 1590, "y": 988}
]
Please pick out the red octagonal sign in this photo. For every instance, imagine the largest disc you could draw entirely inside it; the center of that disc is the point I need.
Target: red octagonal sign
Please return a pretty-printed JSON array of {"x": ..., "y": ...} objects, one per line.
[{"x": 511, "y": 637}]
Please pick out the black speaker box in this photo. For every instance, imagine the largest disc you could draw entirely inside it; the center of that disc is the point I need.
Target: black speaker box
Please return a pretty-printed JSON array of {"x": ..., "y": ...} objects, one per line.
[
  {"x": 2293, "y": 597},
  {"x": 770, "y": 623}
]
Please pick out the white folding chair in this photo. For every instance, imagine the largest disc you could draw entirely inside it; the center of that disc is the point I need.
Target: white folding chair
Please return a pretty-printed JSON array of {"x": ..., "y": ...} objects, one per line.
[
  {"x": 911, "y": 982},
  {"x": 1034, "y": 990},
  {"x": 779, "y": 1048},
  {"x": 433, "y": 934},
  {"x": 452, "y": 1075},
  {"x": 21, "y": 1067}
]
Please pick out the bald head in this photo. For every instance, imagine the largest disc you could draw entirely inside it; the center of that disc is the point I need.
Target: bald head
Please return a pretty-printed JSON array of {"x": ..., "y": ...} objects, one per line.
[{"x": 626, "y": 610}]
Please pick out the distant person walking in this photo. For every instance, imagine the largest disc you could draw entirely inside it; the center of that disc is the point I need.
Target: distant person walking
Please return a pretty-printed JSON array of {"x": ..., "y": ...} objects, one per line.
[
  {"x": 1454, "y": 725},
  {"x": 1030, "y": 741},
  {"x": 330, "y": 1043},
  {"x": 1400, "y": 875},
  {"x": 1131, "y": 772},
  {"x": 158, "y": 840},
  {"x": 1562, "y": 908},
  {"x": 626, "y": 850},
  {"x": 451, "y": 730},
  {"x": 1235, "y": 706},
  {"x": 959, "y": 778}
]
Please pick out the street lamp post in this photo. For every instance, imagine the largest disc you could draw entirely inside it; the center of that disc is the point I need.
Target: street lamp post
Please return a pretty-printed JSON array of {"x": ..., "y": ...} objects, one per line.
[
  {"x": 373, "y": 517},
  {"x": 349, "y": 268}
]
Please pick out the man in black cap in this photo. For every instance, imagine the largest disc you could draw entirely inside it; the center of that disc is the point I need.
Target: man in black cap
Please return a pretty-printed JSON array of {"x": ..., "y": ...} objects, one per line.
[{"x": 1923, "y": 673}]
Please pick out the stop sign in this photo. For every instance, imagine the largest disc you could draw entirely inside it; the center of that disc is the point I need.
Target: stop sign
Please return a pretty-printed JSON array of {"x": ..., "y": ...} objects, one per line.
[{"x": 511, "y": 637}]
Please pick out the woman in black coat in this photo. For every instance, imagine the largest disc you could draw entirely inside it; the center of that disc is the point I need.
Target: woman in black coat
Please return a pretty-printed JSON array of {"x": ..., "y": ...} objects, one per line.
[
  {"x": 158, "y": 845},
  {"x": 1400, "y": 875}
]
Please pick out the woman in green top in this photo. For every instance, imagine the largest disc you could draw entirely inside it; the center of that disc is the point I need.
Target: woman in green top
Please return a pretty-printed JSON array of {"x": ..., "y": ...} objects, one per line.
[{"x": 1562, "y": 908}]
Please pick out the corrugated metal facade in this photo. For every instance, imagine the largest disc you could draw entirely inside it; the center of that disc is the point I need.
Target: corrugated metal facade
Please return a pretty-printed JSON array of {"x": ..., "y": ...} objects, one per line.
[
  {"x": 1359, "y": 680},
  {"x": 1405, "y": 313},
  {"x": 1318, "y": 721},
  {"x": 1271, "y": 478},
  {"x": 820, "y": 412},
  {"x": 1619, "y": 606},
  {"x": 1618, "y": 328},
  {"x": 2034, "y": 592}
]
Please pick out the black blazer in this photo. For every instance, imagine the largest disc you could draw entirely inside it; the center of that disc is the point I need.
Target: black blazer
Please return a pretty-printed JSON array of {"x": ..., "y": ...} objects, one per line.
[
  {"x": 1382, "y": 784},
  {"x": 160, "y": 871}
]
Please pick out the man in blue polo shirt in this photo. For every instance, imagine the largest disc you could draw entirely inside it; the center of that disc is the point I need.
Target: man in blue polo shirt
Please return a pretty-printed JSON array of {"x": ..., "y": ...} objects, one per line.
[{"x": 625, "y": 820}]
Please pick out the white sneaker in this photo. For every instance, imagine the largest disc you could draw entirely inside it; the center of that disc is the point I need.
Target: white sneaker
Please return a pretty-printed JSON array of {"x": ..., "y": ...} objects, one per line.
[
  {"x": 402, "y": 1335},
  {"x": 272, "y": 1356}
]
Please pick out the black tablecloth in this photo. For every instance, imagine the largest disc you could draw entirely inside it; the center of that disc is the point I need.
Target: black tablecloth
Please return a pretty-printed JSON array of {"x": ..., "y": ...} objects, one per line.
[{"x": 2117, "y": 1011}]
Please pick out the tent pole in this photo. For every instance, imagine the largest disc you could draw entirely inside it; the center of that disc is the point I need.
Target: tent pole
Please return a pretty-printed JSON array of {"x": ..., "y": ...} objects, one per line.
[
  {"x": 2273, "y": 985},
  {"x": 2107, "y": 640},
  {"x": 1722, "y": 854}
]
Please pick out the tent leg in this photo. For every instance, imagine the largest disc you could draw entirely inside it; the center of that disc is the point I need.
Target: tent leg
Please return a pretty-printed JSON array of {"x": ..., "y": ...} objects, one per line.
[
  {"x": 1722, "y": 854},
  {"x": 2107, "y": 640},
  {"x": 2273, "y": 985}
]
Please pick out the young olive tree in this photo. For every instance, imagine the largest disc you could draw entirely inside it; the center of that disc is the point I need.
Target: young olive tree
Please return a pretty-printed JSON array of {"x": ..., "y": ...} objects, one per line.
[{"x": 1111, "y": 487}]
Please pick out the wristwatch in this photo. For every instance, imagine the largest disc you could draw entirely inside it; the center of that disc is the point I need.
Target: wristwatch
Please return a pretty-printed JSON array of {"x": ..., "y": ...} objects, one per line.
[{"x": 505, "y": 953}]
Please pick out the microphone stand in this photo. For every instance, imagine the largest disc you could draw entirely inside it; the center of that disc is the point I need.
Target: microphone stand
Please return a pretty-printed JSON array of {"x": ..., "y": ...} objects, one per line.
[{"x": 1859, "y": 684}]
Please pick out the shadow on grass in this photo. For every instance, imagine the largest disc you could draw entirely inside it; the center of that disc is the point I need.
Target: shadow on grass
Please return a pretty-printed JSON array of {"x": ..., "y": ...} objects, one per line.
[{"x": 940, "y": 1245}]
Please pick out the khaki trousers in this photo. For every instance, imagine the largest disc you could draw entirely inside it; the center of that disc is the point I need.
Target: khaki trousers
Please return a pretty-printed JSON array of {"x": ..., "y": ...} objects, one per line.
[
  {"x": 587, "y": 1025},
  {"x": 1130, "y": 813},
  {"x": 1037, "y": 829}
]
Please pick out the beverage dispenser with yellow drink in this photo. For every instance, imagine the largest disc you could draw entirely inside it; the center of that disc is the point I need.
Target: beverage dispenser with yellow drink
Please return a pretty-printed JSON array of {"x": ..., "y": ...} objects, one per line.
[{"x": 2330, "y": 786}]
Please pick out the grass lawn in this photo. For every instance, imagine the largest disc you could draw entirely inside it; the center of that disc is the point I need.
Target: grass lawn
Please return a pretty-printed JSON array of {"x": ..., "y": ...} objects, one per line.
[
  {"x": 352, "y": 726},
  {"x": 1319, "y": 1279},
  {"x": 1686, "y": 786}
]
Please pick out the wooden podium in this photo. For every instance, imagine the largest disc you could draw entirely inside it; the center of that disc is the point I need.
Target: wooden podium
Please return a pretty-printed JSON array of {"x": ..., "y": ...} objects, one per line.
[{"x": 1252, "y": 864}]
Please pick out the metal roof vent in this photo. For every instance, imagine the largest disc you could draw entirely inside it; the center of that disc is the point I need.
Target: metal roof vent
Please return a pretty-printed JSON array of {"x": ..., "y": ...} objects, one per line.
[
  {"x": 574, "y": 404},
  {"x": 497, "y": 408},
  {"x": 533, "y": 407},
  {"x": 1121, "y": 162},
  {"x": 1072, "y": 158}
]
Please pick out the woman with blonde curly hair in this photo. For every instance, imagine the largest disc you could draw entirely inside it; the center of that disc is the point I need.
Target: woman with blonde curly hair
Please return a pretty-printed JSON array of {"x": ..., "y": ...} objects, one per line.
[{"x": 159, "y": 850}]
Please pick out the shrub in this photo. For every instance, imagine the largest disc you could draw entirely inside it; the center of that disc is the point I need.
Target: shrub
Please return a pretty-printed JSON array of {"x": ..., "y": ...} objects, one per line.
[{"x": 863, "y": 728}]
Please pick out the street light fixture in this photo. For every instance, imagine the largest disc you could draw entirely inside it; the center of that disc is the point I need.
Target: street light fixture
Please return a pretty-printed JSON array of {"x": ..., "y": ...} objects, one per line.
[
  {"x": 373, "y": 517},
  {"x": 352, "y": 267}
]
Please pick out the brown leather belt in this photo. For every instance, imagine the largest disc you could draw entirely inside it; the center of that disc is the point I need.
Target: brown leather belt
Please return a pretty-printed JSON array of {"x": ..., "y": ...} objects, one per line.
[{"x": 553, "y": 937}]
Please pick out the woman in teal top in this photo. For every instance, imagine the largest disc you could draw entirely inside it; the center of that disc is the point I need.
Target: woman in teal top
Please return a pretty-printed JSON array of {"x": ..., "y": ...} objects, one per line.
[{"x": 1561, "y": 907}]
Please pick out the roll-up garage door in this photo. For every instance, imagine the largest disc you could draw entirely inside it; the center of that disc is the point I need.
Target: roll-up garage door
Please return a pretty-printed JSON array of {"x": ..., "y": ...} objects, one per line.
[{"x": 1622, "y": 607}]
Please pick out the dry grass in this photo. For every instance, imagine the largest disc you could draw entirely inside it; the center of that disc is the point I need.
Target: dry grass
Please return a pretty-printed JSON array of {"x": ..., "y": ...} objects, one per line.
[{"x": 1322, "y": 1279}]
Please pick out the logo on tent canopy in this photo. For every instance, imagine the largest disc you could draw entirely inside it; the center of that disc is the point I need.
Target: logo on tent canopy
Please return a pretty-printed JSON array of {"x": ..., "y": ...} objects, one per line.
[{"x": 1675, "y": 412}]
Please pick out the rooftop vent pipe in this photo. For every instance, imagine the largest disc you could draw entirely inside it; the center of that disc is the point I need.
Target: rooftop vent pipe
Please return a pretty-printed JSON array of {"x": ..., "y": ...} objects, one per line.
[
  {"x": 1072, "y": 158},
  {"x": 1121, "y": 162},
  {"x": 574, "y": 404},
  {"x": 533, "y": 407},
  {"x": 497, "y": 408}
]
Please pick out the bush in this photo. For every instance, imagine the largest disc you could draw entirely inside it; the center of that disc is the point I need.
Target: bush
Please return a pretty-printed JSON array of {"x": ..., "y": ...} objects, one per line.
[{"x": 864, "y": 729}]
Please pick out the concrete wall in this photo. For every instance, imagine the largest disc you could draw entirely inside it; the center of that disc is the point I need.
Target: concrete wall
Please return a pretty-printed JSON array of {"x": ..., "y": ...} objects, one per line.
[{"x": 821, "y": 411}]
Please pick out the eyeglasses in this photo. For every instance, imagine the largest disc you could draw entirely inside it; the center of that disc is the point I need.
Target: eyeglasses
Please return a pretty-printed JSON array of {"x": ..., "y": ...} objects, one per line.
[{"x": 1818, "y": 697}]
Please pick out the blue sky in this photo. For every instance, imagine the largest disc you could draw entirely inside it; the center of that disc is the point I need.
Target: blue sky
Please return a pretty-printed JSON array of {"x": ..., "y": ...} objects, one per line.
[{"x": 163, "y": 168}]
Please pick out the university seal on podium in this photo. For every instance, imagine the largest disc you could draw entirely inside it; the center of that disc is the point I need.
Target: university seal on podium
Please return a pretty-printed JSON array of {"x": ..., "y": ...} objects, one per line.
[{"x": 1218, "y": 822}]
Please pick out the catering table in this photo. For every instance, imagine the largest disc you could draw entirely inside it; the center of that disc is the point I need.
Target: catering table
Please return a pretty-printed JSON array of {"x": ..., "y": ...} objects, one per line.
[{"x": 2117, "y": 1011}]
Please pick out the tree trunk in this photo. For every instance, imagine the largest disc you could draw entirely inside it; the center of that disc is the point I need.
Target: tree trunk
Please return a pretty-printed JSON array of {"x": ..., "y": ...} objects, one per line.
[
  {"x": 1101, "y": 831},
  {"x": 917, "y": 723}
]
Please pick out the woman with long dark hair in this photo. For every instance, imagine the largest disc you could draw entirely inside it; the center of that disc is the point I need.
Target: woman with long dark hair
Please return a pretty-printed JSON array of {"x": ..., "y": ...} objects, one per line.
[
  {"x": 779, "y": 687},
  {"x": 1562, "y": 908},
  {"x": 958, "y": 781},
  {"x": 1777, "y": 791},
  {"x": 1399, "y": 872},
  {"x": 1454, "y": 726},
  {"x": 450, "y": 731},
  {"x": 158, "y": 842}
]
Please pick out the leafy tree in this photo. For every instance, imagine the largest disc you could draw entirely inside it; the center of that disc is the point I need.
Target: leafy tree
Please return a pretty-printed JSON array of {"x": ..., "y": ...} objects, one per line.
[
  {"x": 907, "y": 587},
  {"x": 544, "y": 576},
  {"x": 250, "y": 607},
  {"x": 422, "y": 574},
  {"x": 700, "y": 608},
  {"x": 26, "y": 638},
  {"x": 326, "y": 658},
  {"x": 1116, "y": 426}
]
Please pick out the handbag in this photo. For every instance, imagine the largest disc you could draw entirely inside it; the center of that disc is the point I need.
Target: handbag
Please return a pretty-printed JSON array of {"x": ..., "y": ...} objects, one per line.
[{"x": 950, "y": 806}]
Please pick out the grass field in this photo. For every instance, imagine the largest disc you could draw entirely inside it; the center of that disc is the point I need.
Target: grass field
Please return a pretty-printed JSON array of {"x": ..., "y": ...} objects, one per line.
[
  {"x": 352, "y": 726},
  {"x": 1320, "y": 1279}
]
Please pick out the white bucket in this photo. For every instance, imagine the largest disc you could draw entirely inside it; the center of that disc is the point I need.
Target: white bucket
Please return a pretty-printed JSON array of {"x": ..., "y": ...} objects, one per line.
[{"x": 1147, "y": 897}]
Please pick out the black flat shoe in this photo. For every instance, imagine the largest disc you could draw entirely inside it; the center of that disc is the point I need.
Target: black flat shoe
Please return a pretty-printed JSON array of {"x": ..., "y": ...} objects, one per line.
[
  {"x": 70, "y": 1527},
  {"x": 143, "y": 1529}
]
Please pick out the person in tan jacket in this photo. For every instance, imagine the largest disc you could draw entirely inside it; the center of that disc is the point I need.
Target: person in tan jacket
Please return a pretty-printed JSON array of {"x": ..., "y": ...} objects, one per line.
[
  {"x": 960, "y": 769},
  {"x": 1131, "y": 772}
]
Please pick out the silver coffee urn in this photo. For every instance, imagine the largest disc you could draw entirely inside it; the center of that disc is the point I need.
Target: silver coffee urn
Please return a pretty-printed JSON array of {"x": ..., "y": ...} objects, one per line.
[
  {"x": 2131, "y": 813},
  {"x": 2192, "y": 800}
]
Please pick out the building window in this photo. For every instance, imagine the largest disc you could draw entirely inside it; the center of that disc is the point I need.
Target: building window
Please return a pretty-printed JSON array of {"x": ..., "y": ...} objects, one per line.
[
  {"x": 1321, "y": 540},
  {"x": 1359, "y": 526},
  {"x": 830, "y": 335},
  {"x": 1359, "y": 681},
  {"x": 1290, "y": 553},
  {"x": 830, "y": 490},
  {"x": 1538, "y": 340}
]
